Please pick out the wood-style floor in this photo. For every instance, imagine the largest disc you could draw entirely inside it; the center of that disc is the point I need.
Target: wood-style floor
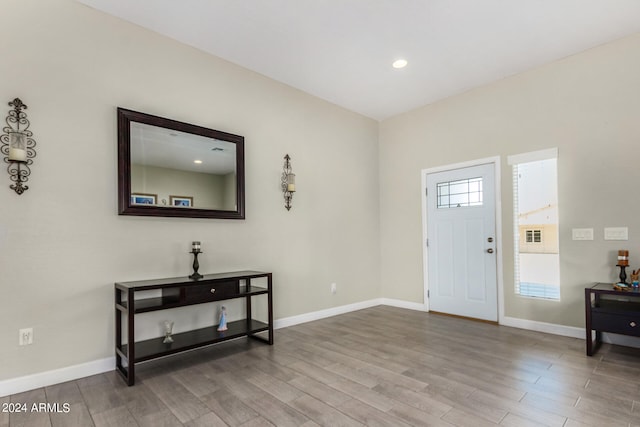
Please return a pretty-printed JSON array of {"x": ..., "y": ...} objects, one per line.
[{"x": 381, "y": 366}]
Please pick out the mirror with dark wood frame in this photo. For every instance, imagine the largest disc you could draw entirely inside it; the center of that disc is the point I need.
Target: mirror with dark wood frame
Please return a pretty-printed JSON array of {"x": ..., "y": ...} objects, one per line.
[{"x": 177, "y": 169}]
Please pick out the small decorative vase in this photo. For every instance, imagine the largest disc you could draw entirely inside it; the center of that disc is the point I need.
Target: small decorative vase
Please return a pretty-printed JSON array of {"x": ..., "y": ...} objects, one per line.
[{"x": 168, "y": 331}]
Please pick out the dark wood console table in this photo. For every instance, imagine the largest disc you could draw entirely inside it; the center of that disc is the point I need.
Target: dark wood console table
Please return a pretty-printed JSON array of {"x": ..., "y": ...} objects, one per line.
[
  {"x": 180, "y": 292},
  {"x": 609, "y": 310}
]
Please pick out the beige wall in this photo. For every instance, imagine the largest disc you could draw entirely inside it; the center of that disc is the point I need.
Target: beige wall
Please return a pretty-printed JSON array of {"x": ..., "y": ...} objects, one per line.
[
  {"x": 588, "y": 106},
  {"x": 62, "y": 244}
]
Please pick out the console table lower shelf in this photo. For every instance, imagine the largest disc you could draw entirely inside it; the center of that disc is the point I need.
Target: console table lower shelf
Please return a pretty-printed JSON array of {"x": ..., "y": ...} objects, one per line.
[{"x": 179, "y": 292}]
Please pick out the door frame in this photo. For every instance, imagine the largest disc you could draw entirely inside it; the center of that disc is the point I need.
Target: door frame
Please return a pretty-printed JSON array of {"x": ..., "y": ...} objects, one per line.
[{"x": 495, "y": 161}]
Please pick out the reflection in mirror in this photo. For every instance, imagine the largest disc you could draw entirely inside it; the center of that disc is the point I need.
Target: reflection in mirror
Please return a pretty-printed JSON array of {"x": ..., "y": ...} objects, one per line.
[
  {"x": 183, "y": 169},
  {"x": 177, "y": 169}
]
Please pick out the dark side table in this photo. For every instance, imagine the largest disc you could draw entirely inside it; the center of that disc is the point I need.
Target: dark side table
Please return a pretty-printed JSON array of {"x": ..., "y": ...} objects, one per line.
[{"x": 610, "y": 310}]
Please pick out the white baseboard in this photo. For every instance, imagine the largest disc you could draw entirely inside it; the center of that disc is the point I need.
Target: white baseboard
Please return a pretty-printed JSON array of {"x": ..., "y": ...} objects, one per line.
[
  {"x": 322, "y": 314},
  {"x": 334, "y": 311},
  {"x": 43, "y": 379},
  {"x": 549, "y": 328},
  {"x": 403, "y": 304}
]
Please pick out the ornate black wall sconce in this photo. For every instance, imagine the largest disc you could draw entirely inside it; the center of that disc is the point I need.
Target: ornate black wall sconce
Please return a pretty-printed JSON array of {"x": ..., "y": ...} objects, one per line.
[
  {"x": 17, "y": 146},
  {"x": 288, "y": 182}
]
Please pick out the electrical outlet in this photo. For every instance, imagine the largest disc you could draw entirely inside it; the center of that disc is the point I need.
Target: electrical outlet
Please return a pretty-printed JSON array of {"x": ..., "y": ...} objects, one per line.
[
  {"x": 333, "y": 288},
  {"x": 616, "y": 233},
  {"x": 582, "y": 233},
  {"x": 25, "y": 336}
]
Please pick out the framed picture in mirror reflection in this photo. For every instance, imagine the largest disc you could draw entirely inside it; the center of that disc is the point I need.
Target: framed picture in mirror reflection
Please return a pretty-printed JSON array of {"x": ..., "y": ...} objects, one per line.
[
  {"x": 181, "y": 201},
  {"x": 143, "y": 199}
]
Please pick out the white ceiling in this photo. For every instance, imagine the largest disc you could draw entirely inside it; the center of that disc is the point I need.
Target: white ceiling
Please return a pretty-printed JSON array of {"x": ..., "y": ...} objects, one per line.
[{"x": 342, "y": 50}]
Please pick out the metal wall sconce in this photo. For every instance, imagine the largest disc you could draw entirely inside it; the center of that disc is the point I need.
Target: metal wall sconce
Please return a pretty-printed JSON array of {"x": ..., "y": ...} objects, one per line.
[
  {"x": 288, "y": 182},
  {"x": 18, "y": 146}
]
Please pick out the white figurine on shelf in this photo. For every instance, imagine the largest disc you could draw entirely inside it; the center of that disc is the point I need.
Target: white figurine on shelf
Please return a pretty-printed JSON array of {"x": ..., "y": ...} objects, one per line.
[{"x": 223, "y": 319}]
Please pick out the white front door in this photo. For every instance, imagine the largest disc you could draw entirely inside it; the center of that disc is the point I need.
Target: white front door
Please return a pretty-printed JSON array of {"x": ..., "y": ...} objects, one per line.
[{"x": 461, "y": 246}]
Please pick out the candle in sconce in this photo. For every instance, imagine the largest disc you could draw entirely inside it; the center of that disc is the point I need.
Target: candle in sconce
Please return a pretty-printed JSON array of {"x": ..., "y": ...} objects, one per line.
[
  {"x": 291, "y": 182},
  {"x": 196, "y": 246},
  {"x": 17, "y": 147},
  {"x": 17, "y": 155}
]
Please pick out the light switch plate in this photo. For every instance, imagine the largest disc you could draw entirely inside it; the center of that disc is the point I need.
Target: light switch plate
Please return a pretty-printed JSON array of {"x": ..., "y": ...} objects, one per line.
[
  {"x": 616, "y": 233},
  {"x": 582, "y": 233}
]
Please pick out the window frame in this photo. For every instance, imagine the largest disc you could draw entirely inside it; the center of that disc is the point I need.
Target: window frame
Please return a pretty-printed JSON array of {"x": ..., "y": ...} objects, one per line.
[{"x": 514, "y": 161}]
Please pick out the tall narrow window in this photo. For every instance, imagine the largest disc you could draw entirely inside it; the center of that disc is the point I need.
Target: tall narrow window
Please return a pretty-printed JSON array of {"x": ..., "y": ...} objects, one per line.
[{"x": 535, "y": 219}]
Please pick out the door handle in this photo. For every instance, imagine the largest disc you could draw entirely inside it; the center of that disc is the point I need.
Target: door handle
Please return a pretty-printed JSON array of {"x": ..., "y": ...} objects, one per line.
[{"x": 490, "y": 250}]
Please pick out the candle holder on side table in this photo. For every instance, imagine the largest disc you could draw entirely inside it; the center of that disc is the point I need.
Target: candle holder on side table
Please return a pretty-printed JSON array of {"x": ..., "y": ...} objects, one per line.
[
  {"x": 623, "y": 274},
  {"x": 623, "y": 262},
  {"x": 195, "y": 251}
]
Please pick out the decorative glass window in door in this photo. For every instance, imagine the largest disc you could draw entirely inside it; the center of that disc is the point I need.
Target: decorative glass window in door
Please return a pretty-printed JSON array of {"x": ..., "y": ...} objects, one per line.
[{"x": 461, "y": 193}]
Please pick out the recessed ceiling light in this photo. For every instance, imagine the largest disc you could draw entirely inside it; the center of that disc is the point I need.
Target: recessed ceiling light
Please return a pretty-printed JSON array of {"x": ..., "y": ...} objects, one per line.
[
  {"x": 400, "y": 63},
  {"x": 197, "y": 162}
]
